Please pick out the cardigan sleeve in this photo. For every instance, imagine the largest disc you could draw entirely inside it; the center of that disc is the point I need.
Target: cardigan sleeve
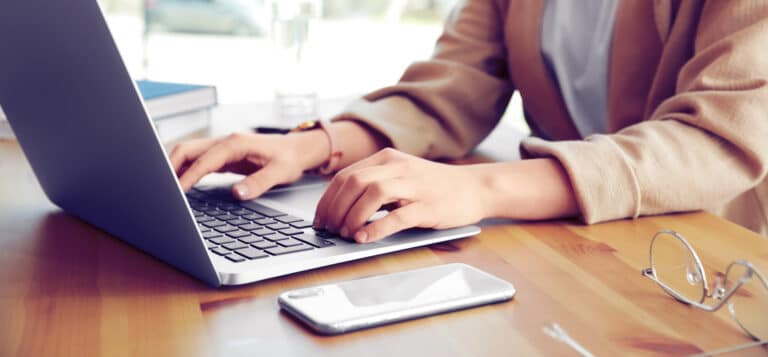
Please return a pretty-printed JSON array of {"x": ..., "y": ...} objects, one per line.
[
  {"x": 701, "y": 147},
  {"x": 443, "y": 107}
]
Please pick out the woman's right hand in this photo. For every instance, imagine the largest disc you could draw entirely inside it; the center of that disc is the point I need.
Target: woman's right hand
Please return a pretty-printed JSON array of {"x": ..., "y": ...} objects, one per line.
[{"x": 267, "y": 159}]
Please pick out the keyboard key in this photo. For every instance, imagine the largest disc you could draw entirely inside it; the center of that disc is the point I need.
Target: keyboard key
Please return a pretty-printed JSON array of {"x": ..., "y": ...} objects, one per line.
[
  {"x": 290, "y": 242},
  {"x": 214, "y": 223},
  {"x": 209, "y": 235},
  {"x": 291, "y": 231},
  {"x": 263, "y": 232},
  {"x": 288, "y": 219},
  {"x": 214, "y": 211},
  {"x": 199, "y": 206},
  {"x": 238, "y": 222},
  {"x": 276, "y": 237},
  {"x": 251, "y": 227},
  {"x": 261, "y": 209},
  {"x": 252, "y": 216},
  {"x": 242, "y": 212},
  {"x": 203, "y": 228},
  {"x": 221, "y": 199},
  {"x": 195, "y": 193},
  {"x": 219, "y": 194},
  {"x": 227, "y": 217},
  {"x": 301, "y": 224},
  {"x": 209, "y": 244},
  {"x": 286, "y": 250},
  {"x": 220, "y": 251},
  {"x": 229, "y": 207},
  {"x": 250, "y": 239},
  {"x": 197, "y": 213},
  {"x": 324, "y": 234},
  {"x": 265, "y": 221},
  {"x": 263, "y": 244},
  {"x": 277, "y": 226},
  {"x": 314, "y": 240},
  {"x": 238, "y": 234},
  {"x": 252, "y": 253},
  {"x": 235, "y": 258},
  {"x": 235, "y": 245},
  {"x": 203, "y": 219},
  {"x": 222, "y": 240},
  {"x": 225, "y": 229}
]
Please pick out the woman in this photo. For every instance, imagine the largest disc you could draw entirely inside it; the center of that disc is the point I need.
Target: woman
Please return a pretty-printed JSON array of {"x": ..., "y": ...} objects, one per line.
[{"x": 636, "y": 107}]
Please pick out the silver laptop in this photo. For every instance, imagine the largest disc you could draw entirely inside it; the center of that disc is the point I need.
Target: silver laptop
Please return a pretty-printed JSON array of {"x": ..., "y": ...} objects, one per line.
[{"x": 84, "y": 129}]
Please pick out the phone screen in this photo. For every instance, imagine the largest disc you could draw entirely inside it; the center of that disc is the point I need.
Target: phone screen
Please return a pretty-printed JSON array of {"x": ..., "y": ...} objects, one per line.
[{"x": 351, "y": 305}]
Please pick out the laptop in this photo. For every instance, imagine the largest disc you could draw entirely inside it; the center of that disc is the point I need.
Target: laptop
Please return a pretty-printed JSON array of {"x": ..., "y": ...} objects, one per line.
[{"x": 84, "y": 129}]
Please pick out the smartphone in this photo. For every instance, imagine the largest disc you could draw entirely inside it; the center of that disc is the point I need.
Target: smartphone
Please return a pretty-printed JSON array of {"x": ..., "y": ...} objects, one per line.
[{"x": 357, "y": 304}]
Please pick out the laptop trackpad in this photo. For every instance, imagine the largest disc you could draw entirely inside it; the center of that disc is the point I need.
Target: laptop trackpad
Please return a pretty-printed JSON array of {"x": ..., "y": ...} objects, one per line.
[{"x": 299, "y": 198}]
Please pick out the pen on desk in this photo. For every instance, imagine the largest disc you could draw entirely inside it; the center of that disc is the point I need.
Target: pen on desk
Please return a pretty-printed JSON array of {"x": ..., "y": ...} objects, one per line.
[
  {"x": 558, "y": 333},
  {"x": 271, "y": 130}
]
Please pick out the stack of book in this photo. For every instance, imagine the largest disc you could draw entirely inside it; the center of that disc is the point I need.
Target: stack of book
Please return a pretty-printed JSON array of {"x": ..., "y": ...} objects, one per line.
[{"x": 176, "y": 109}]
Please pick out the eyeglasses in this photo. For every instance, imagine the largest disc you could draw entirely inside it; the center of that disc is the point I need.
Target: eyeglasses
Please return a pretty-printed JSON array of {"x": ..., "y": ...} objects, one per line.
[{"x": 677, "y": 269}]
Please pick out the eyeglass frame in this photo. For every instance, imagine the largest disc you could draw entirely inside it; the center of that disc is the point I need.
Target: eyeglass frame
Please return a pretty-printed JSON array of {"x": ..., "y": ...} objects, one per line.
[{"x": 719, "y": 292}]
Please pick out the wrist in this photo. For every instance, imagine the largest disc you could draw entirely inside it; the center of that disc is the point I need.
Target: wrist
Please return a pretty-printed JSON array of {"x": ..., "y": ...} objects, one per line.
[
  {"x": 312, "y": 148},
  {"x": 486, "y": 191},
  {"x": 354, "y": 141},
  {"x": 527, "y": 189}
]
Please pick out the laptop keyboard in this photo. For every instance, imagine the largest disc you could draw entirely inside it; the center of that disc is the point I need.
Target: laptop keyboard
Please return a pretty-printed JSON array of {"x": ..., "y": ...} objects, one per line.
[{"x": 243, "y": 231}]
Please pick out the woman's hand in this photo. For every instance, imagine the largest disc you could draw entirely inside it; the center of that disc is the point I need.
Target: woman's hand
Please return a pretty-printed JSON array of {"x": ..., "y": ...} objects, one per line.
[
  {"x": 426, "y": 194},
  {"x": 269, "y": 160}
]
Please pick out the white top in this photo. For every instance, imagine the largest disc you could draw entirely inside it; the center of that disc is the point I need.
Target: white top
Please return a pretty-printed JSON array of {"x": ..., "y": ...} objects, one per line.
[{"x": 576, "y": 44}]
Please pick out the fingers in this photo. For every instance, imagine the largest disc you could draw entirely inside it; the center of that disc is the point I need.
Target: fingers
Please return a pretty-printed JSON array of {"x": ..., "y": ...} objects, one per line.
[
  {"x": 189, "y": 151},
  {"x": 408, "y": 216},
  {"x": 372, "y": 200},
  {"x": 262, "y": 180},
  {"x": 326, "y": 203},
  {"x": 380, "y": 157},
  {"x": 216, "y": 157},
  {"x": 331, "y": 212}
]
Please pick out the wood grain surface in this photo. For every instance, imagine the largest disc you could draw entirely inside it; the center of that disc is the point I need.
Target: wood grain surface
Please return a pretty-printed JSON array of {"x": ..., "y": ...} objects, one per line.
[{"x": 68, "y": 289}]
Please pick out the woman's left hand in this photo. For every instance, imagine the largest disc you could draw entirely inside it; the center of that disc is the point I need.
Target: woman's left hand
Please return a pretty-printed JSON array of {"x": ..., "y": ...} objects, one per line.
[{"x": 426, "y": 194}]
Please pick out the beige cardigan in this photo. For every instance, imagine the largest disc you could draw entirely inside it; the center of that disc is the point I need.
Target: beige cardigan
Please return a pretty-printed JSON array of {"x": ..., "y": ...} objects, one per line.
[{"x": 687, "y": 104}]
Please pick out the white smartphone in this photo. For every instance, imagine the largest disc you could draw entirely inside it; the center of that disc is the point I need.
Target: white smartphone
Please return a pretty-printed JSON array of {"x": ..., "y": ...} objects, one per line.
[{"x": 357, "y": 304}]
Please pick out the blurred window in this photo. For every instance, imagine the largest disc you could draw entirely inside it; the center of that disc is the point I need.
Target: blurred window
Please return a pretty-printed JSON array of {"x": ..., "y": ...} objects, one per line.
[{"x": 353, "y": 46}]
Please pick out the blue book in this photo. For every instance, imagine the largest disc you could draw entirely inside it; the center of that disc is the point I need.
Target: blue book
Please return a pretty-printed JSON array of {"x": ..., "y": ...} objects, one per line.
[{"x": 165, "y": 100}]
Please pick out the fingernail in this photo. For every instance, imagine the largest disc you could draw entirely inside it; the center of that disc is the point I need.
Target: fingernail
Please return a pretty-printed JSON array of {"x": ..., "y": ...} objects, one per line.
[
  {"x": 344, "y": 232},
  {"x": 361, "y": 237},
  {"x": 242, "y": 191}
]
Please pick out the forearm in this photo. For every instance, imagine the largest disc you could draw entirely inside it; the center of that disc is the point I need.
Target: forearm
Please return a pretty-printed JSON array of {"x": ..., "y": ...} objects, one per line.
[
  {"x": 354, "y": 140},
  {"x": 528, "y": 189}
]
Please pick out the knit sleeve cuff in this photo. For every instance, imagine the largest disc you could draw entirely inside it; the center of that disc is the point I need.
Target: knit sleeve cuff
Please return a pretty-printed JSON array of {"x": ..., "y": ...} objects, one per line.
[{"x": 406, "y": 127}]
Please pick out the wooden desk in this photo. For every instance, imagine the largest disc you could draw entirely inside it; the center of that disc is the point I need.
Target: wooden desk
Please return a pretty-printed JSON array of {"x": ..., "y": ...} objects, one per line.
[{"x": 69, "y": 289}]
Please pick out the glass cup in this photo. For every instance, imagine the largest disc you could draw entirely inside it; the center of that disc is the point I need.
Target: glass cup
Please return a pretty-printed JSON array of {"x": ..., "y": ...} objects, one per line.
[{"x": 295, "y": 91}]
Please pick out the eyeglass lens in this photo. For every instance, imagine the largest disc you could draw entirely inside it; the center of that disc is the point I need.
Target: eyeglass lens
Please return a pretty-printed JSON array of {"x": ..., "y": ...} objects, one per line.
[
  {"x": 676, "y": 267},
  {"x": 749, "y": 304}
]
